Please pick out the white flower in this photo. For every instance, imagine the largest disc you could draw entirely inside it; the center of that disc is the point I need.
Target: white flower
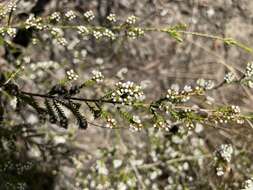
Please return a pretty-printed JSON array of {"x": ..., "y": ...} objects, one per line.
[
  {"x": 136, "y": 119},
  {"x": 34, "y": 22},
  {"x": 117, "y": 163},
  {"x": 70, "y": 15},
  {"x": 99, "y": 61},
  {"x": 11, "y": 32},
  {"x": 101, "y": 168},
  {"x": 97, "y": 34},
  {"x": 72, "y": 75},
  {"x": 55, "y": 16},
  {"x": 206, "y": 84},
  {"x": 153, "y": 175},
  {"x": 249, "y": 69},
  {"x": 219, "y": 171},
  {"x": 248, "y": 184},
  {"x": 13, "y": 102},
  {"x": 127, "y": 93},
  {"x": 59, "y": 139},
  {"x": 83, "y": 30},
  {"x": 198, "y": 128},
  {"x": 108, "y": 33},
  {"x": 229, "y": 77},
  {"x": 97, "y": 76},
  {"x": 111, "y": 17},
  {"x": 250, "y": 84},
  {"x": 122, "y": 186},
  {"x": 131, "y": 20},
  {"x": 187, "y": 88},
  {"x": 225, "y": 151},
  {"x": 34, "y": 152},
  {"x": 89, "y": 15}
]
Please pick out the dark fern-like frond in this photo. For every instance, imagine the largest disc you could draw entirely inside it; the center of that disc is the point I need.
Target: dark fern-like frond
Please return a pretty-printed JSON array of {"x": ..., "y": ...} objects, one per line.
[
  {"x": 62, "y": 117},
  {"x": 51, "y": 112},
  {"x": 74, "y": 108}
]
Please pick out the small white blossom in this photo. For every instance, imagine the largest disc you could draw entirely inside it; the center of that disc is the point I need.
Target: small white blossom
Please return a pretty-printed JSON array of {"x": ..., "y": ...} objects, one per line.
[
  {"x": 11, "y": 32},
  {"x": 101, "y": 168},
  {"x": 108, "y": 33},
  {"x": 72, "y": 75},
  {"x": 111, "y": 17},
  {"x": 97, "y": 34},
  {"x": 33, "y": 22},
  {"x": 57, "y": 32},
  {"x": 248, "y": 184},
  {"x": 136, "y": 119},
  {"x": 110, "y": 123},
  {"x": 99, "y": 61},
  {"x": 122, "y": 186},
  {"x": 127, "y": 93},
  {"x": 70, "y": 15},
  {"x": 229, "y": 77},
  {"x": 135, "y": 32},
  {"x": 13, "y": 102},
  {"x": 97, "y": 76},
  {"x": 117, "y": 163},
  {"x": 55, "y": 16},
  {"x": 225, "y": 151},
  {"x": 249, "y": 69},
  {"x": 131, "y": 20},
  {"x": 83, "y": 30},
  {"x": 89, "y": 15},
  {"x": 206, "y": 84},
  {"x": 219, "y": 171},
  {"x": 59, "y": 139}
]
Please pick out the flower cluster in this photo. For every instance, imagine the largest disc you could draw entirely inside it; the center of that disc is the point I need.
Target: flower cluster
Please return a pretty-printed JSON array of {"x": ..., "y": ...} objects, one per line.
[
  {"x": 57, "y": 32},
  {"x": 9, "y": 31},
  {"x": 226, "y": 114},
  {"x": 127, "y": 93},
  {"x": 101, "y": 167},
  {"x": 44, "y": 65},
  {"x": 136, "y": 124},
  {"x": 175, "y": 95},
  {"x": 72, "y": 75},
  {"x": 229, "y": 77},
  {"x": 205, "y": 84},
  {"x": 249, "y": 69},
  {"x": 161, "y": 124},
  {"x": 111, "y": 17},
  {"x": 133, "y": 33},
  {"x": 220, "y": 171},
  {"x": 131, "y": 20},
  {"x": 223, "y": 157},
  {"x": 248, "y": 184},
  {"x": 225, "y": 152},
  {"x": 97, "y": 34},
  {"x": 58, "y": 35},
  {"x": 89, "y": 15},
  {"x": 34, "y": 22},
  {"x": 108, "y": 33},
  {"x": 55, "y": 16},
  {"x": 97, "y": 76},
  {"x": 83, "y": 30},
  {"x": 249, "y": 75},
  {"x": 110, "y": 122},
  {"x": 11, "y": 6},
  {"x": 70, "y": 15}
]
